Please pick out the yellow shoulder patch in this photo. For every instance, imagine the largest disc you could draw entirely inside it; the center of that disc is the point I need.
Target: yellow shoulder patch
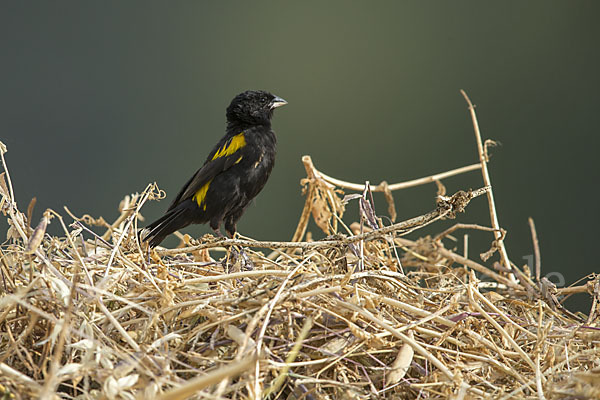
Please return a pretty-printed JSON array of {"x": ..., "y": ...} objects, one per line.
[
  {"x": 200, "y": 195},
  {"x": 233, "y": 145}
]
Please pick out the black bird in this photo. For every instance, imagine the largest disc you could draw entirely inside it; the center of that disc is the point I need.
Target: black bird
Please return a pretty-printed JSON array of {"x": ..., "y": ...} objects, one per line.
[{"x": 234, "y": 172}]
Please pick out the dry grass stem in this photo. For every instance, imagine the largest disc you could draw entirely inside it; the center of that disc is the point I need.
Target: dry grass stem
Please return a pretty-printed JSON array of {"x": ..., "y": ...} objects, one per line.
[
  {"x": 483, "y": 160},
  {"x": 536, "y": 250}
]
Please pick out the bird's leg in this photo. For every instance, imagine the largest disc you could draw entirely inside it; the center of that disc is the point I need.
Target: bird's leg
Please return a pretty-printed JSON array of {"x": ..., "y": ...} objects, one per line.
[{"x": 218, "y": 232}]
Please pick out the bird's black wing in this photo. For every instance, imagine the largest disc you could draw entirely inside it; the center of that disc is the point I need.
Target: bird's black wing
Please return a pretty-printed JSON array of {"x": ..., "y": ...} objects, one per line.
[{"x": 226, "y": 153}]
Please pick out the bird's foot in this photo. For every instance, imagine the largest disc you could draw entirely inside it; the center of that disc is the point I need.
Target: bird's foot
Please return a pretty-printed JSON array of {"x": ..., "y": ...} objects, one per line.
[{"x": 219, "y": 235}]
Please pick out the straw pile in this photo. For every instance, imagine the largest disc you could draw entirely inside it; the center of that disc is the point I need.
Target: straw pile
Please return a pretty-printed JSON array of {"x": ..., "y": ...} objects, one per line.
[{"x": 363, "y": 313}]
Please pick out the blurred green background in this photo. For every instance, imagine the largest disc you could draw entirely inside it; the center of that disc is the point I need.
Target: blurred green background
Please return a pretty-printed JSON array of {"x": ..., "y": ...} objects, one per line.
[{"x": 97, "y": 99}]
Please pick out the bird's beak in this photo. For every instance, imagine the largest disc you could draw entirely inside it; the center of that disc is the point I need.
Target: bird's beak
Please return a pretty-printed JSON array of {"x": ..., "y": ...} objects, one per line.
[{"x": 277, "y": 102}]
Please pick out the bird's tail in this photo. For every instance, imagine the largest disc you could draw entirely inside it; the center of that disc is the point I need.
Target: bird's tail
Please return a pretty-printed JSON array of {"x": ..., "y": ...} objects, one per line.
[{"x": 157, "y": 231}]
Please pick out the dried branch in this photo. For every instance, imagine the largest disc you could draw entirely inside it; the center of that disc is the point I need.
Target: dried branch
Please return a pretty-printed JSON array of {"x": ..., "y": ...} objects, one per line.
[
  {"x": 536, "y": 250},
  {"x": 487, "y": 182},
  {"x": 395, "y": 186},
  {"x": 448, "y": 206}
]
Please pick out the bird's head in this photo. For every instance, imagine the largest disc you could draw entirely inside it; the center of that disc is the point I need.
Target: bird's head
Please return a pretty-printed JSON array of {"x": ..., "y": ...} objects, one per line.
[{"x": 253, "y": 107}]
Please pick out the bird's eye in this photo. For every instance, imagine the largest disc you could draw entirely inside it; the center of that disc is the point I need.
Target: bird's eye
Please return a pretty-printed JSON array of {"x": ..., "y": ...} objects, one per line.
[{"x": 263, "y": 100}]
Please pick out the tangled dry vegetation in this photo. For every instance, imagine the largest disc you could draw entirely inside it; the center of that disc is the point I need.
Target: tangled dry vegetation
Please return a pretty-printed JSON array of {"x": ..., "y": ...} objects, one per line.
[{"x": 363, "y": 313}]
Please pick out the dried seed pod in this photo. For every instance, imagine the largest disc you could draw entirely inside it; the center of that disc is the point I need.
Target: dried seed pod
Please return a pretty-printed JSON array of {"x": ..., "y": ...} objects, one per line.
[
  {"x": 401, "y": 364},
  {"x": 38, "y": 234}
]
